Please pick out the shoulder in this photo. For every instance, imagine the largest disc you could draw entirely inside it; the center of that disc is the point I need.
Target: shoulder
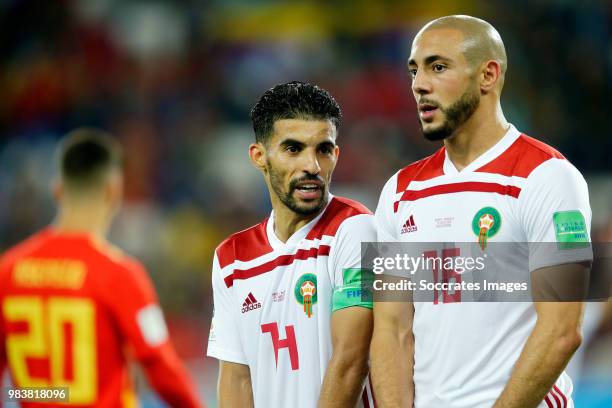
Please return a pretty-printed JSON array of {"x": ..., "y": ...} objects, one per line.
[
  {"x": 524, "y": 156},
  {"x": 345, "y": 207},
  {"x": 556, "y": 178},
  {"x": 23, "y": 249},
  {"x": 338, "y": 211},
  {"x": 421, "y": 170},
  {"x": 113, "y": 254},
  {"x": 425, "y": 169},
  {"x": 117, "y": 265},
  {"x": 361, "y": 228},
  {"x": 244, "y": 245},
  {"x": 542, "y": 164},
  {"x": 546, "y": 172}
]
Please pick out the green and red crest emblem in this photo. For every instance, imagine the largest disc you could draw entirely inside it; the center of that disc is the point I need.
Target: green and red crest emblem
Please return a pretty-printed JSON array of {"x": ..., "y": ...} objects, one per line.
[
  {"x": 306, "y": 292},
  {"x": 485, "y": 224}
]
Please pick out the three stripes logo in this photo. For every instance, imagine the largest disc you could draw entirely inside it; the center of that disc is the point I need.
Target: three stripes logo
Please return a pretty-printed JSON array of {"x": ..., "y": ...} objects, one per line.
[
  {"x": 556, "y": 398},
  {"x": 250, "y": 303},
  {"x": 409, "y": 225}
]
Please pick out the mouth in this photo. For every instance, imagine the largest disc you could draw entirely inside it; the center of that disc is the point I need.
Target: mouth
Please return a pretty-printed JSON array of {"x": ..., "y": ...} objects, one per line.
[
  {"x": 309, "y": 190},
  {"x": 427, "y": 111}
]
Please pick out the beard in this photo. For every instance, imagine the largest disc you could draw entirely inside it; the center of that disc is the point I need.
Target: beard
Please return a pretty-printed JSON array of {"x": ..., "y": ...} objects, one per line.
[
  {"x": 456, "y": 115},
  {"x": 286, "y": 197}
]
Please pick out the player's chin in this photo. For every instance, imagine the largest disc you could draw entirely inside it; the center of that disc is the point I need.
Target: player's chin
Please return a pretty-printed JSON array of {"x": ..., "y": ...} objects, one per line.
[
  {"x": 435, "y": 132},
  {"x": 309, "y": 205},
  {"x": 431, "y": 122},
  {"x": 309, "y": 209}
]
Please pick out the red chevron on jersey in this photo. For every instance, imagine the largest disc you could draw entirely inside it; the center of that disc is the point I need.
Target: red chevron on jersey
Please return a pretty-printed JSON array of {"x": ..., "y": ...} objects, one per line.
[
  {"x": 283, "y": 260},
  {"x": 523, "y": 156},
  {"x": 337, "y": 211},
  {"x": 473, "y": 186}
]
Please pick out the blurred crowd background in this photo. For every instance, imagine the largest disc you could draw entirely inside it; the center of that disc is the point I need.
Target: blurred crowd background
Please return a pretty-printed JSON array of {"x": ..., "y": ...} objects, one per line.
[{"x": 175, "y": 81}]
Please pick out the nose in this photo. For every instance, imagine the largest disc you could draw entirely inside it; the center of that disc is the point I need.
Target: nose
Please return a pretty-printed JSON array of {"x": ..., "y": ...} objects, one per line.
[
  {"x": 421, "y": 84},
  {"x": 311, "y": 163}
]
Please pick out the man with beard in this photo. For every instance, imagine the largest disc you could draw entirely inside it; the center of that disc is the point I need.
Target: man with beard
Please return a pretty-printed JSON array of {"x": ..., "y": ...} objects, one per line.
[
  {"x": 291, "y": 327},
  {"x": 488, "y": 183}
]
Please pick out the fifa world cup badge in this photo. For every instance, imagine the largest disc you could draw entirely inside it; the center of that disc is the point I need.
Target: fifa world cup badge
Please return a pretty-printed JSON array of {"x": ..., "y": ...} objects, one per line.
[
  {"x": 306, "y": 292},
  {"x": 485, "y": 224}
]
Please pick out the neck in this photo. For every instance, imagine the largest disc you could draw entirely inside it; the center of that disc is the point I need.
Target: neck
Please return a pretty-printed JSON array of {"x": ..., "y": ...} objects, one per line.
[
  {"x": 287, "y": 222},
  {"x": 479, "y": 133},
  {"x": 83, "y": 219}
]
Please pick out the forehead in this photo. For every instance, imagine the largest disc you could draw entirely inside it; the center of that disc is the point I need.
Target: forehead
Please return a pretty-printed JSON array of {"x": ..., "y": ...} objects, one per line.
[
  {"x": 303, "y": 130},
  {"x": 445, "y": 42}
]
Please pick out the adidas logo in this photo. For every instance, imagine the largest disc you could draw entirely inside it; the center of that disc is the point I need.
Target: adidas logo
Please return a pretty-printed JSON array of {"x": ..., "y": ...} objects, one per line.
[
  {"x": 409, "y": 225},
  {"x": 250, "y": 303}
]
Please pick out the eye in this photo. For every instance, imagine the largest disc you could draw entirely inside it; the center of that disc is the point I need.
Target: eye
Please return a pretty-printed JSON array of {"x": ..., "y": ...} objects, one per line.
[
  {"x": 292, "y": 149},
  {"x": 438, "y": 68},
  {"x": 412, "y": 72},
  {"x": 326, "y": 149}
]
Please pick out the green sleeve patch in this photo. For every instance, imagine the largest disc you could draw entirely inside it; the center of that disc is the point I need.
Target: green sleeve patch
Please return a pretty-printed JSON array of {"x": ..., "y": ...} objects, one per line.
[
  {"x": 570, "y": 229},
  {"x": 354, "y": 291}
]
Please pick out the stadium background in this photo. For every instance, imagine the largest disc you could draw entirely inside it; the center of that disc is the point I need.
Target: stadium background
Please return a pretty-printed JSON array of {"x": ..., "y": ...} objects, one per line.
[{"x": 175, "y": 80}]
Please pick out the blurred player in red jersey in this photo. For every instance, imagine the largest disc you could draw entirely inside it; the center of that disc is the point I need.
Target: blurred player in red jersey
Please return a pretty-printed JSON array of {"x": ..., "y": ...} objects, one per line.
[{"x": 70, "y": 303}]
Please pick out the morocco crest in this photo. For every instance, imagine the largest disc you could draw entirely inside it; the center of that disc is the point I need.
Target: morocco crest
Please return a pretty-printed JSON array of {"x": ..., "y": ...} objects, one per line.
[
  {"x": 306, "y": 292},
  {"x": 485, "y": 224}
]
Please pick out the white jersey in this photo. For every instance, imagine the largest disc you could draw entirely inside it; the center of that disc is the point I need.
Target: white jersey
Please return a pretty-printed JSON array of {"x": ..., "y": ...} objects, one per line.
[
  {"x": 465, "y": 352},
  {"x": 274, "y": 301}
]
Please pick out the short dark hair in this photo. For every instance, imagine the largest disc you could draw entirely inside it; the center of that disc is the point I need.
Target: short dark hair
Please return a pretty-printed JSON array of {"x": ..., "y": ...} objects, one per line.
[
  {"x": 292, "y": 100},
  {"x": 86, "y": 156}
]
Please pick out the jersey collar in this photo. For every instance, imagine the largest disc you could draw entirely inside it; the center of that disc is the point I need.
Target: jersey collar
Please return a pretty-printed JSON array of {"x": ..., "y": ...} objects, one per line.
[
  {"x": 501, "y": 146},
  {"x": 298, "y": 235}
]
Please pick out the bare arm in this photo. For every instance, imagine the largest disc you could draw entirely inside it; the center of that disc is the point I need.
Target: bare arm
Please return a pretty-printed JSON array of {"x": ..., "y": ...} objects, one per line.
[
  {"x": 605, "y": 324},
  {"x": 348, "y": 368},
  {"x": 392, "y": 352},
  {"x": 550, "y": 346},
  {"x": 234, "y": 388}
]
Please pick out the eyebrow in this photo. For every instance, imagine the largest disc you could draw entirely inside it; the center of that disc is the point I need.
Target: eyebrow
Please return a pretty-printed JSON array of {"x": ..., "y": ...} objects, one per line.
[
  {"x": 430, "y": 59},
  {"x": 297, "y": 143},
  {"x": 291, "y": 142},
  {"x": 327, "y": 143}
]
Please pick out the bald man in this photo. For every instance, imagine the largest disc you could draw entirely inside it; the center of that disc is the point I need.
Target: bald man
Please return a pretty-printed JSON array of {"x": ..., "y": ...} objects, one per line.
[{"x": 488, "y": 183}]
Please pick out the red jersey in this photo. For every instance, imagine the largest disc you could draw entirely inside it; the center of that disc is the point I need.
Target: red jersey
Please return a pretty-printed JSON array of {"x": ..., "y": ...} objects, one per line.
[{"x": 72, "y": 310}]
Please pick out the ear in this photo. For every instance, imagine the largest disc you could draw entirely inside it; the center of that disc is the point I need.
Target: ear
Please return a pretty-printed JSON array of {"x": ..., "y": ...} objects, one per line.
[
  {"x": 490, "y": 76},
  {"x": 113, "y": 188},
  {"x": 257, "y": 154},
  {"x": 57, "y": 189}
]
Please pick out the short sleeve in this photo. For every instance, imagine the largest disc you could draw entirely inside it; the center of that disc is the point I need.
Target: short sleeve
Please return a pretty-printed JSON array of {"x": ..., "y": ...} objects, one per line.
[
  {"x": 345, "y": 262},
  {"x": 224, "y": 338},
  {"x": 556, "y": 215},
  {"x": 384, "y": 215},
  {"x": 137, "y": 312}
]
